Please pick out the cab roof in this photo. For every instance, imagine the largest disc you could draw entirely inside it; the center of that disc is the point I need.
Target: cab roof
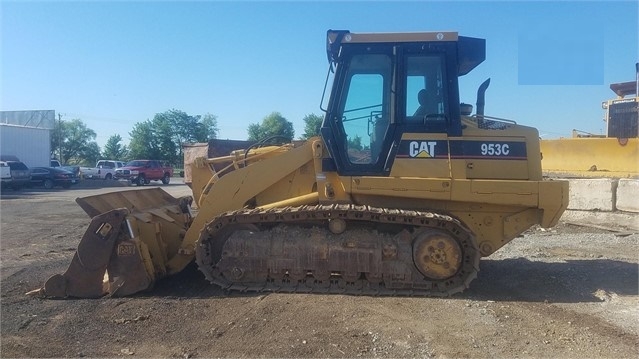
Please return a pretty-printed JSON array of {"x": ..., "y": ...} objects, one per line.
[
  {"x": 623, "y": 89},
  {"x": 470, "y": 51}
]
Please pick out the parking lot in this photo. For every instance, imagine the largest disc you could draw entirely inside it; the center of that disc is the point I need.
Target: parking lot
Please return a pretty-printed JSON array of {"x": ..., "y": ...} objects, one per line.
[{"x": 568, "y": 292}]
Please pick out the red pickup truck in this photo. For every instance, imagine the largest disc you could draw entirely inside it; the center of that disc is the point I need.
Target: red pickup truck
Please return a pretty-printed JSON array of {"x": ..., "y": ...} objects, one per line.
[{"x": 142, "y": 172}]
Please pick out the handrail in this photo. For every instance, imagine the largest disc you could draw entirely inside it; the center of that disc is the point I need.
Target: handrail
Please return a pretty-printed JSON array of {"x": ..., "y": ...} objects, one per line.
[{"x": 482, "y": 117}]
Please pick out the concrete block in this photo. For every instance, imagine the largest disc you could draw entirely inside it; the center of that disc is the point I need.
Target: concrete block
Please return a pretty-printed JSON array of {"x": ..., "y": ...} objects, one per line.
[
  {"x": 628, "y": 195},
  {"x": 593, "y": 194}
]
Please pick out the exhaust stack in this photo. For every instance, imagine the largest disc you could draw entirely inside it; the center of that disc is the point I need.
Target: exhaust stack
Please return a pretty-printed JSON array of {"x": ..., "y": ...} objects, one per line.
[{"x": 481, "y": 97}]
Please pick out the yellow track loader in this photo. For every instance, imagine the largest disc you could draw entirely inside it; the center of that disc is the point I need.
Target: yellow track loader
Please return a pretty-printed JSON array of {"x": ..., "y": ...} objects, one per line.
[
  {"x": 615, "y": 154},
  {"x": 401, "y": 194}
]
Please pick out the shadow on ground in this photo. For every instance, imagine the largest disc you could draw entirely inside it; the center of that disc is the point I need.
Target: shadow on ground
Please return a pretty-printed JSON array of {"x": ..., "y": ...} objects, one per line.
[
  {"x": 517, "y": 279},
  {"x": 571, "y": 281}
]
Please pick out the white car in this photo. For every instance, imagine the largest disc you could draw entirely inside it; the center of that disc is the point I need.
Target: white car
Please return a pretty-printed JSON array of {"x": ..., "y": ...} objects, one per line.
[{"x": 104, "y": 169}]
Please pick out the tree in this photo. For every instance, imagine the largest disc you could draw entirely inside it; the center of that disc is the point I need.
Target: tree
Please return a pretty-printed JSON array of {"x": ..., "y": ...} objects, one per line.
[
  {"x": 210, "y": 125},
  {"x": 57, "y": 140},
  {"x": 143, "y": 143},
  {"x": 355, "y": 143},
  {"x": 163, "y": 136},
  {"x": 114, "y": 150},
  {"x": 312, "y": 126},
  {"x": 90, "y": 154},
  {"x": 272, "y": 125},
  {"x": 168, "y": 135},
  {"x": 74, "y": 142}
]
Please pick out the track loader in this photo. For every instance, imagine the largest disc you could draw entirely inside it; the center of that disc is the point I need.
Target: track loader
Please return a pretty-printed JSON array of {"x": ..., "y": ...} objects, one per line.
[
  {"x": 402, "y": 193},
  {"x": 615, "y": 154}
]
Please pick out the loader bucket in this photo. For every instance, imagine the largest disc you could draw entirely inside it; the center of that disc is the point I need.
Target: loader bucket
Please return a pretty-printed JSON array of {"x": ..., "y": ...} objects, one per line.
[
  {"x": 139, "y": 200},
  {"x": 131, "y": 237}
]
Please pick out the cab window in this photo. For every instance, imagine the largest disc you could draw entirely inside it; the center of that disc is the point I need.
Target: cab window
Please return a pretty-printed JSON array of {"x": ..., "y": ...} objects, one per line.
[
  {"x": 425, "y": 89},
  {"x": 365, "y": 109}
]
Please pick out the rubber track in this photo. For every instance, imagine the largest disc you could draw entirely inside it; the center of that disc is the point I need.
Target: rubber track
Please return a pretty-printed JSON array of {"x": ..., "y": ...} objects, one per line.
[{"x": 300, "y": 215}]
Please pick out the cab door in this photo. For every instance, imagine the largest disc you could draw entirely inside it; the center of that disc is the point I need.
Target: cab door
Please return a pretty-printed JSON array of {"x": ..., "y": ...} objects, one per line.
[
  {"x": 359, "y": 126},
  {"x": 426, "y": 112}
]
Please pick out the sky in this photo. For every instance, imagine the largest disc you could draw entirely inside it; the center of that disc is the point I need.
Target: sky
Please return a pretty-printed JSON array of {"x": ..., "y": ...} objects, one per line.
[{"x": 114, "y": 64}]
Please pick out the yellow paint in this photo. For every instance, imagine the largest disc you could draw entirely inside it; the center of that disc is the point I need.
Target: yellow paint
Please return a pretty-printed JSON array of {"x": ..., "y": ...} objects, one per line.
[{"x": 591, "y": 157}]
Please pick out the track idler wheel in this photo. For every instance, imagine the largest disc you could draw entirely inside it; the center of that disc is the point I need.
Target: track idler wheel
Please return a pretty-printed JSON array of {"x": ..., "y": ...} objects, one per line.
[{"x": 437, "y": 255}]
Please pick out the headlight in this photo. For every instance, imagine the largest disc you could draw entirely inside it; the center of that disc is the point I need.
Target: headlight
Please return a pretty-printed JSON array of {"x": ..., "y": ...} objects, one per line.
[{"x": 135, "y": 172}]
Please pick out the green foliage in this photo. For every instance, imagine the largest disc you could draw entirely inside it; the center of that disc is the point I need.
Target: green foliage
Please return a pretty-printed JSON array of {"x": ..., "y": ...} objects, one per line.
[
  {"x": 56, "y": 139},
  {"x": 89, "y": 155},
  {"x": 312, "y": 125},
  {"x": 74, "y": 143},
  {"x": 114, "y": 150},
  {"x": 210, "y": 125},
  {"x": 162, "y": 137},
  {"x": 272, "y": 125},
  {"x": 355, "y": 143},
  {"x": 143, "y": 143}
]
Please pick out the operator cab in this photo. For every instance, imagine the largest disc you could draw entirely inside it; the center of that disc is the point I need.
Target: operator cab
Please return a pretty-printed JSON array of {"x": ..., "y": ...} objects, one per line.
[
  {"x": 622, "y": 113},
  {"x": 386, "y": 85}
]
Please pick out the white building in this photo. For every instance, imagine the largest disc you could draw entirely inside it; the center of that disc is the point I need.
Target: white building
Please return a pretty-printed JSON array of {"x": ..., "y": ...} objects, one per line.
[{"x": 27, "y": 135}]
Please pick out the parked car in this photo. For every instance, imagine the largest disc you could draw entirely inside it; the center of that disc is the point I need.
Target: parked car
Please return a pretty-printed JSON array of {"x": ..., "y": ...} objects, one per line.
[
  {"x": 74, "y": 169},
  {"x": 142, "y": 172},
  {"x": 104, "y": 169},
  {"x": 20, "y": 175},
  {"x": 50, "y": 177}
]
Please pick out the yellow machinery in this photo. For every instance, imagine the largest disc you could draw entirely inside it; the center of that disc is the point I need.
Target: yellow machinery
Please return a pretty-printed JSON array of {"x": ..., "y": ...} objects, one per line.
[
  {"x": 615, "y": 154},
  {"x": 402, "y": 193}
]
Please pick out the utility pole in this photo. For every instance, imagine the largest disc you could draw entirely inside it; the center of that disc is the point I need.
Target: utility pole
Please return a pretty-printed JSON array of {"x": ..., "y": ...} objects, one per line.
[{"x": 60, "y": 138}]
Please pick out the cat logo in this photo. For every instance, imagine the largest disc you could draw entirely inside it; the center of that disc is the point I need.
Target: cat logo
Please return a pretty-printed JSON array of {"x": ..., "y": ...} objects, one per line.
[
  {"x": 126, "y": 249},
  {"x": 422, "y": 149}
]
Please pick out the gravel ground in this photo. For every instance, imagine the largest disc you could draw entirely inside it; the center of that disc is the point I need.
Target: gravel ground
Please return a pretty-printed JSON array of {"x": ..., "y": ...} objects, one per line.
[{"x": 568, "y": 292}]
